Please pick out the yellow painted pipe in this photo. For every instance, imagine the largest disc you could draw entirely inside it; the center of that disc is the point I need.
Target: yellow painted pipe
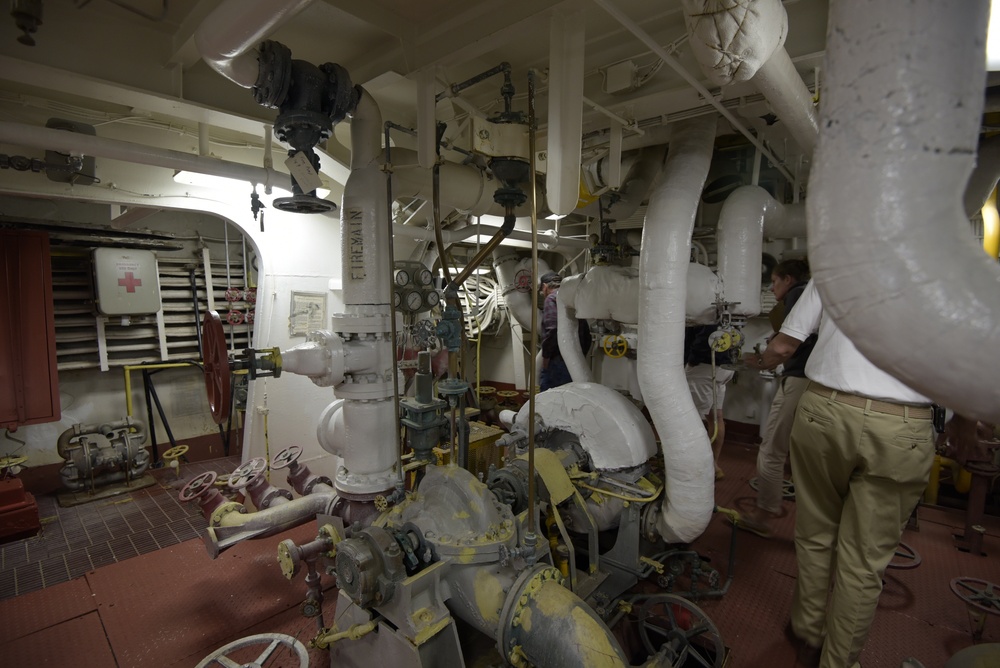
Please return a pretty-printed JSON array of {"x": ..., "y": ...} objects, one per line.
[
  {"x": 961, "y": 479},
  {"x": 128, "y": 369},
  {"x": 991, "y": 226},
  {"x": 933, "y": 482}
]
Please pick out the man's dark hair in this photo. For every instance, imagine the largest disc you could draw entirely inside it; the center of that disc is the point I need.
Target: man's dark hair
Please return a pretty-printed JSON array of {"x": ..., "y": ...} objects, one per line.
[
  {"x": 797, "y": 269},
  {"x": 551, "y": 278}
]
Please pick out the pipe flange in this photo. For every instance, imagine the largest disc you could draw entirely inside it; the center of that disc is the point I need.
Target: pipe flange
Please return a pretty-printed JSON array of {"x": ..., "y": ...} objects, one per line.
[
  {"x": 522, "y": 591},
  {"x": 225, "y": 509},
  {"x": 342, "y": 94},
  {"x": 274, "y": 74}
]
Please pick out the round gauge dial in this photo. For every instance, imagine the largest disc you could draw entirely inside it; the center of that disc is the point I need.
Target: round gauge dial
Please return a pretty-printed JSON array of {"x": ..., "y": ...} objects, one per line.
[
  {"x": 414, "y": 300},
  {"x": 402, "y": 277},
  {"x": 424, "y": 277},
  {"x": 397, "y": 299},
  {"x": 433, "y": 298}
]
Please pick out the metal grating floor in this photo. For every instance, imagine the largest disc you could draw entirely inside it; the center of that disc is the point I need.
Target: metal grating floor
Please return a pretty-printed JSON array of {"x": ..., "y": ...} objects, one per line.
[
  {"x": 173, "y": 606},
  {"x": 76, "y": 540}
]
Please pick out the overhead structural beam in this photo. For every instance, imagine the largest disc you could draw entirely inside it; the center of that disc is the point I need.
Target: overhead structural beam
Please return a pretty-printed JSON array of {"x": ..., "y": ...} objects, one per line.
[
  {"x": 62, "y": 81},
  {"x": 675, "y": 65}
]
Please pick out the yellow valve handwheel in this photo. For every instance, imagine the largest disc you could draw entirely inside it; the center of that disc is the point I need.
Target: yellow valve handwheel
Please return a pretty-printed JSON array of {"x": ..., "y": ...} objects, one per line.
[
  {"x": 9, "y": 462},
  {"x": 722, "y": 342},
  {"x": 615, "y": 346},
  {"x": 175, "y": 452}
]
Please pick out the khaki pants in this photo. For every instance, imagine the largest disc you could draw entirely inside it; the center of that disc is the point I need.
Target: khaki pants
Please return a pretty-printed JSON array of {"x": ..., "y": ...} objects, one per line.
[
  {"x": 858, "y": 476},
  {"x": 774, "y": 449}
]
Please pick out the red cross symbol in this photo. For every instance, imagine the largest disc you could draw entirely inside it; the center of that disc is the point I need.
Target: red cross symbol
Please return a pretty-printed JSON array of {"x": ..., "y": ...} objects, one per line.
[{"x": 130, "y": 282}]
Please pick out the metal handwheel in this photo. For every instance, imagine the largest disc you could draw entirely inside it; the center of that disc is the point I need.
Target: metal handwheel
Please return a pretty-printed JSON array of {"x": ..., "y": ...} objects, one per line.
[
  {"x": 247, "y": 473},
  {"x": 680, "y": 631},
  {"x": 197, "y": 486},
  {"x": 175, "y": 452},
  {"x": 272, "y": 640},
  {"x": 615, "y": 346},
  {"x": 905, "y": 558},
  {"x": 286, "y": 457},
  {"x": 216, "y": 361}
]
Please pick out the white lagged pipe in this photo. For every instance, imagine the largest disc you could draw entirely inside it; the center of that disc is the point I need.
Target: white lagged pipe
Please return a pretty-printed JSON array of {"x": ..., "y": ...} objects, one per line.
[
  {"x": 566, "y": 51},
  {"x": 663, "y": 266},
  {"x": 568, "y": 332},
  {"x": 750, "y": 214},
  {"x": 228, "y": 37},
  {"x": 744, "y": 41},
  {"x": 889, "y": 243}
]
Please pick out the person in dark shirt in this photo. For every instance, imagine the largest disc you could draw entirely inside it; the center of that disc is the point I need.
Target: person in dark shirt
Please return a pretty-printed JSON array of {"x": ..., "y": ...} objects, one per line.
[
  {"x": 554, "y": 371},
  {"x": 707, "y": 384},
  {"x": 788, "y": 280}
]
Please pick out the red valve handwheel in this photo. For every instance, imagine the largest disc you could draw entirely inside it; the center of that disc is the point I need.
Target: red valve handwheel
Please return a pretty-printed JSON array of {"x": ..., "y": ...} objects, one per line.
[
  {"x": 197, "y": 486},
  {"x": 286, "y": 457},
  {"x": 234, "y": 317},
  {"x": 216, "y": 360},
  {"x": 247, "y": 473}
]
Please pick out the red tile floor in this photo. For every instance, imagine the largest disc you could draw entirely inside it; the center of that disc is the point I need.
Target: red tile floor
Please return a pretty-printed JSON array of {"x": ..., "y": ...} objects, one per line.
[{"x": 173, "y": 606}]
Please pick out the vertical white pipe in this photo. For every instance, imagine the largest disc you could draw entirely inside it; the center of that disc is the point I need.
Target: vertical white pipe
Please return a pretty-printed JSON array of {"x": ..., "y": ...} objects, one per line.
[
  {"x": 663, "y": 267},
  {"x": 566, "y": 50},
  {"x": 889, "y": 241}
]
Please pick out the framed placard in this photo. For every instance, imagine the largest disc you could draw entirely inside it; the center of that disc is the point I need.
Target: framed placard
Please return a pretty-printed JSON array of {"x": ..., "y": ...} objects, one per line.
[{"x": 306, "y": 313}]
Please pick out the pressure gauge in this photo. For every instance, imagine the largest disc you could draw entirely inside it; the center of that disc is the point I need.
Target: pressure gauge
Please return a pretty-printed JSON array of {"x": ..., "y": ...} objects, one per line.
[
  {"x": 414, "y": 300},
  {"x": 397, "y": 299},
  {"x": 402, "y": 277},
  {"x": 424, "y": 277},
  {"x": 433, "y": 298}
]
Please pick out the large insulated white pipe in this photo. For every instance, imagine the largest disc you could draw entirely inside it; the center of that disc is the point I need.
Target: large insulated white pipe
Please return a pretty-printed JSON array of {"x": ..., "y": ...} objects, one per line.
[
  {"x": 789, "y": 98},
  {"x": 566, "y": 46},
  {"x": 568, "y": 332},
  {"x": 363, "y": 233},
  {"x": 890, "y": 245},
  {"x": 228, "y": 37},
  {"x": 744, "y": 41},
  {"x": 75, "y": 143},
  {"x": 643, "y": 172},
  {"x": 750, "y": 214},
  {"x": 663, "y": 267}
]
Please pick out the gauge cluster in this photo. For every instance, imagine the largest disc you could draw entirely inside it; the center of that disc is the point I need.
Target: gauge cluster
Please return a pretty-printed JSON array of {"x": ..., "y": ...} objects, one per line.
[{"x": 413, "y": 288}]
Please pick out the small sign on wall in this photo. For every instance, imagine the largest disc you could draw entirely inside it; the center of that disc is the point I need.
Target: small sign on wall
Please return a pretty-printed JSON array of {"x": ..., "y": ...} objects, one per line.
[{"x": 307, "y": 313}]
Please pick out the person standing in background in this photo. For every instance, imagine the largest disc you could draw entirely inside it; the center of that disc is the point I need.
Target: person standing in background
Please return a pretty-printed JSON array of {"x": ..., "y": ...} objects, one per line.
[
  {"x": 554, "y": 372},
  {"x": 788, "y": 280}
]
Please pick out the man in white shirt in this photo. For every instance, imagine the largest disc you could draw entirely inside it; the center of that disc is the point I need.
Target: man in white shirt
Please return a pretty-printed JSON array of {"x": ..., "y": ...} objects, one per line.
[{"x": 861, "y": 447}]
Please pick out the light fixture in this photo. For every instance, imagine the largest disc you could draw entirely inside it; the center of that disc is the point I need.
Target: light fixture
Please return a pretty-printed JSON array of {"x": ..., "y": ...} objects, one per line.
[
  {"x": 993, "y": 39},
  {"x": 224, "y": 183},
  {"x": 555, "y": 216}
]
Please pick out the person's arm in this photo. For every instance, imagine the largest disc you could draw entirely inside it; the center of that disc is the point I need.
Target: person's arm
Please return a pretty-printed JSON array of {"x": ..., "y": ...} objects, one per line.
[
  {"x": 778, "y": 351},
  {"x": 550, "y": 321}
]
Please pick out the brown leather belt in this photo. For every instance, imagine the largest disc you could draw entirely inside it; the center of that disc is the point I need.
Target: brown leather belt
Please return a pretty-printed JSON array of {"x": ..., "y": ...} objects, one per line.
[{"x": 914, "y": 411}]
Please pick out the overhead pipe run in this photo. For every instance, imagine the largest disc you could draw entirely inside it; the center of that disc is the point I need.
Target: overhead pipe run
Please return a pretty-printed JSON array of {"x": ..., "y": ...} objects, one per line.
[
  {"x": 663, "y": 268},
  {"x": 744, "y": 41},
  {"x": 566, "y": 51},
  {"x": 75, "y": 143},
  {"x": 889, "y": 242}
]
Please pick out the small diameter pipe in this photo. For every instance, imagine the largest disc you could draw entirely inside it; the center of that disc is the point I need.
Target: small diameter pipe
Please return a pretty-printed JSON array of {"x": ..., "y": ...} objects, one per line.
[
  {"x": 392, "y": 320},
  {"x": 532, "y": 129}
]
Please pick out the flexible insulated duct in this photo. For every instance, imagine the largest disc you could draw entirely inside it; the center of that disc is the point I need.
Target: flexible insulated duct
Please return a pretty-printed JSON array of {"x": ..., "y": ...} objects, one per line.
[
  {"x": 750, "y": 214},
  {"x": 663, "y": 268},
  {"x": 890, "y": 244}
]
